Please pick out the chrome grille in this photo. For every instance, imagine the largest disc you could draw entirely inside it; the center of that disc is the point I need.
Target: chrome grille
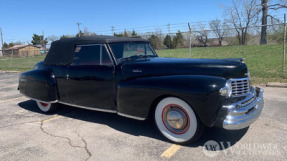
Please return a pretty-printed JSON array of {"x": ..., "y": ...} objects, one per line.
[
  {"x": 240, "y": 86},
  {"x": 248, "y": 102}
]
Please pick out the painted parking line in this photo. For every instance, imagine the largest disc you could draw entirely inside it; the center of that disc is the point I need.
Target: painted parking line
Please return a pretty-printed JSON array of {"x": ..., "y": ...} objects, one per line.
[
  {"x": 170, "y": 151},
  {"x": 14, "y": 85},
  {"x": 51, "y": 118},
  {"x": 11, "y": 99},
  {"x": 2, "y": 80}
]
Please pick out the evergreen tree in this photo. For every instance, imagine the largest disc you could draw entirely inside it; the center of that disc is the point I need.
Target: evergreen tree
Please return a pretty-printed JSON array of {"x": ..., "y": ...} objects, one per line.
[
  {"x": 119, "y": 35},
  {"x": 154, "y": 41},
  {"x": 38, "y": 39},
  {"x": 168, "y": 42},
  {"x": 5, "y": 45},
  {"x": 134, "y": 34},
  {"x": 178, "y": 40},
  {"x": 81, "y": 34}
]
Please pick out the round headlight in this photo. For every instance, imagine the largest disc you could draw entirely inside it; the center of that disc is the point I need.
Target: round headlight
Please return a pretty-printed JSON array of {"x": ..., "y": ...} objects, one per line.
[{"x": 226, "y": 90}]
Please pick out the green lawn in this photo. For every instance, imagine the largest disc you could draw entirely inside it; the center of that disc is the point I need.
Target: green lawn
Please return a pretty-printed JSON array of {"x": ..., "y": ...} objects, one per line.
[
  {"x": 19, "y": 64},
  {"x": 264, "y": 61}
]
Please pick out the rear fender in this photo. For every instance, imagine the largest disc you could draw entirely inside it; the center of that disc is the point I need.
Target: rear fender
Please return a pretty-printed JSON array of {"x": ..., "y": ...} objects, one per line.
[{"x": 39, "y": 85}]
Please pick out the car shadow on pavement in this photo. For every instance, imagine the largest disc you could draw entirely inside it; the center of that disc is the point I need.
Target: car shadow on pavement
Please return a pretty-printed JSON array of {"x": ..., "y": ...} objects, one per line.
[
  {"x": 226, "y": 137},
  {"x": 135, "y": 127}
]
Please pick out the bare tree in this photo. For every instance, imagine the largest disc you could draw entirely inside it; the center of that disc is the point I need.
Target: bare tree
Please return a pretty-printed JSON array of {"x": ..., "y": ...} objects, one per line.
[
  {"x": 267, "y": 5},
  {"x": 52, "y": 38},
  {"x": 201, "y": 35},
  {"x": 218, "y": 29},
  {"x": 242, "y": 15},
  {"x": 88, "y": 33}
]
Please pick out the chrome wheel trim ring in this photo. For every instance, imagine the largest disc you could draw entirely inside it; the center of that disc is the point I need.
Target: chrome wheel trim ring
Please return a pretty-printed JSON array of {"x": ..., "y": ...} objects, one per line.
[
  {"x": 44, "y": 108},
  {"x": 175, "y": 119}
]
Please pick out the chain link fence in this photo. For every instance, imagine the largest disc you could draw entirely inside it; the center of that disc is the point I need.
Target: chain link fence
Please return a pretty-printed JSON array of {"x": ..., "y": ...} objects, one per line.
[
  {"x": 202, "y": 42},
  {"x": 189, "y": 40},
  {"x": 20, "y": 59}
]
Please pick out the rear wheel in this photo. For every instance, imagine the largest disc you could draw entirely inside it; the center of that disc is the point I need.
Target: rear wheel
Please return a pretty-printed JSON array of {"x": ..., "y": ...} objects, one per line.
[
  {"x": 177, "y": 121},
  {"x": 46, "y": 106}
]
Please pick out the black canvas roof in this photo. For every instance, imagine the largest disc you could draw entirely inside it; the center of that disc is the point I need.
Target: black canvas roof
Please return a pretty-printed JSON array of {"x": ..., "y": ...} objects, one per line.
[
  {"x": 101, "y": 39},
  {"x": 61, "y": 51}
]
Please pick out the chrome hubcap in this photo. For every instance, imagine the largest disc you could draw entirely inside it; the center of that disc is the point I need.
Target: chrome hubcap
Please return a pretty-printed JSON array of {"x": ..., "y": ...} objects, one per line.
[{"x": 175, "y": 119}]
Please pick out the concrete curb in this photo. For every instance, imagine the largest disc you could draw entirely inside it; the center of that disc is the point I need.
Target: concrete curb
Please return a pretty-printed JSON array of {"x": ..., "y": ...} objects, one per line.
[
  {"x": 1, "y": 71},
  {"x": 276, "y": 84}
]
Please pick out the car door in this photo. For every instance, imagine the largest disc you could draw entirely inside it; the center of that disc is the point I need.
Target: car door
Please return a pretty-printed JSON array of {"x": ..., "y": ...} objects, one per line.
[{"x": 90, "y": 78}]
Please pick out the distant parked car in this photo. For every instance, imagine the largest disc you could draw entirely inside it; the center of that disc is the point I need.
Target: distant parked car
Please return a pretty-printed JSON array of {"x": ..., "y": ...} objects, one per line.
[{"x": 125, "y": 76}]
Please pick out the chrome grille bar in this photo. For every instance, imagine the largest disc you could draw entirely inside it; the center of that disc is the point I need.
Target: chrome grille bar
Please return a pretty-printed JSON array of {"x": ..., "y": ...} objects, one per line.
[{"x": 240, "y": 86}]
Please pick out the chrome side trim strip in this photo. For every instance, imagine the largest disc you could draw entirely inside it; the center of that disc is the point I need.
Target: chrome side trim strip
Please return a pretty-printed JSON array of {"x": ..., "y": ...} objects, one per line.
[
  {"x": 130, "y": 116},
  {"x": 88, "y": 108},
  {"x": 91, "y": 108},
  {"x": 41, "y": 100}
]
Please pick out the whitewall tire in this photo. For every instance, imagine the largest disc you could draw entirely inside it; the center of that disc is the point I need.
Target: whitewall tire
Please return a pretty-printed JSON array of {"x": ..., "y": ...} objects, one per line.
[
  {"x": 46, "y": 106},
  {"x": 177, "y": 121}
]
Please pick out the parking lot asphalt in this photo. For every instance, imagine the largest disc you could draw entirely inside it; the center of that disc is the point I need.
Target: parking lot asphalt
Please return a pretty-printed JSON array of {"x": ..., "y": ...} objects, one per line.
[{"x": 77, "y": 134}]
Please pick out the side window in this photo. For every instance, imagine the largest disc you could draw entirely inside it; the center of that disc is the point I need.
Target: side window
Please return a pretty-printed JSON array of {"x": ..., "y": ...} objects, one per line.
[
  {"x": 91, "y": 55},
  {"x": 148, "y": 50},
  {"x": 106, "y": 60}
]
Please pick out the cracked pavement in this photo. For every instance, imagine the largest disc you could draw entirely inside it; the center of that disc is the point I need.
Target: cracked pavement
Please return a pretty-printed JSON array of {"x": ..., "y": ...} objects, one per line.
[{"x": 76, "y": 134}]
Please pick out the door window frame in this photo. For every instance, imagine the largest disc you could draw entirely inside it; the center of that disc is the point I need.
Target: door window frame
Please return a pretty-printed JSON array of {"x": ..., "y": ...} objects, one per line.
[{"x": 101, "y": 54}]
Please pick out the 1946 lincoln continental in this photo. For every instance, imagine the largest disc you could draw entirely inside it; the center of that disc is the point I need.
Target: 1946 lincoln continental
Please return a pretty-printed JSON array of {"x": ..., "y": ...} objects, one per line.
[{"x": 125, "y": 76}]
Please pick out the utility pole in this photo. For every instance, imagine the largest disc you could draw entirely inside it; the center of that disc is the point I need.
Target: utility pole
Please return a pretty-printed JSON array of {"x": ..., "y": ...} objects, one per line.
[
  {"x": 189, "y": 53},
  {"x": 43, "y": 39},
  {"x": 113, "y": 30},
  {"x": 284, "y": 47},
  {"x": 79, "y": 28},
  {"x": 168, "y": 26},
  {"x": 1, "y": 41}
]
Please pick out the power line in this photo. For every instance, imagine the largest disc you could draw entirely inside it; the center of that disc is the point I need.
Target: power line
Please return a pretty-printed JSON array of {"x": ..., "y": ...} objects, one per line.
[{"x": 172, "y": 26}]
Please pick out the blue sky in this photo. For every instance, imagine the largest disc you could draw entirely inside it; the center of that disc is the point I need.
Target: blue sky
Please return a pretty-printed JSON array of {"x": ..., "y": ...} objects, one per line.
[{"x": 19, "y": 19}]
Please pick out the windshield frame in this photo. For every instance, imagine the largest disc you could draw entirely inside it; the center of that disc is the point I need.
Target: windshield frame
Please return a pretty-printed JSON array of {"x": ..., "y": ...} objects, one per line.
[{"x": 119, "y": 60}]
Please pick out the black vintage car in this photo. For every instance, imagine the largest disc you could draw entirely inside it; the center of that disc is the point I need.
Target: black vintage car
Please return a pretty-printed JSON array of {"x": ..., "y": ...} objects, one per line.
[{"x": 125, "y": 76}]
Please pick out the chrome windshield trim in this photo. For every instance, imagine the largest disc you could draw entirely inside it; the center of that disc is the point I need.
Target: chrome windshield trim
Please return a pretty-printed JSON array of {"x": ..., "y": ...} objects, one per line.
[{"x": 116, "y": 60}]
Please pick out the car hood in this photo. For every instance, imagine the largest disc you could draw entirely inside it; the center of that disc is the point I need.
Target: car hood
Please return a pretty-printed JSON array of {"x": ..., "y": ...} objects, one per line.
[{"x": 143, "y": 67}]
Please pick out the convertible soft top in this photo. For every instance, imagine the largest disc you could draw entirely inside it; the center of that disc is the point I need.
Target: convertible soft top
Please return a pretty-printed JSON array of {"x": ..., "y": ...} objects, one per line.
[{"x": 61, "y": 51}]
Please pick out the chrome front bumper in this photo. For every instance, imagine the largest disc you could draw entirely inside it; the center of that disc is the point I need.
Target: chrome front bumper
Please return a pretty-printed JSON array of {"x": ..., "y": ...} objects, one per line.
[{"x": 243, "y": 113}]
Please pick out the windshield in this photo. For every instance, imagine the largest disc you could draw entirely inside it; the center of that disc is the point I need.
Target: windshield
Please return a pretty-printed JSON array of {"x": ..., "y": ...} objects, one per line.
[{"x": 131, "y": 50}]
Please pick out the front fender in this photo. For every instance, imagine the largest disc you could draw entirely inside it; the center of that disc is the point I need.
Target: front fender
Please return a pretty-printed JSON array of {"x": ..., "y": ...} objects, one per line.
[
  {"x": 135, "y": 97},
  {"x": 39, "y": 84}
]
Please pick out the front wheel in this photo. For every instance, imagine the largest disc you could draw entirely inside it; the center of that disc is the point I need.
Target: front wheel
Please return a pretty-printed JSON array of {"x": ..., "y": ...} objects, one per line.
[
  {"x": 176, "y": 121},
  {"x": 47, "y": 106}
]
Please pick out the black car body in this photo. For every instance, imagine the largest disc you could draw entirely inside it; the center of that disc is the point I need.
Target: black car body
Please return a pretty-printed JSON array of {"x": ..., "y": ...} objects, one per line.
[{"x": 105, "y": 73}]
